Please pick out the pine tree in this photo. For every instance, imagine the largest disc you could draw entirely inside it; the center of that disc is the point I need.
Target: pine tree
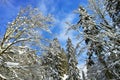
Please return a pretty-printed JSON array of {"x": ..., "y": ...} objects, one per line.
[{"x": 73, "y": 71}]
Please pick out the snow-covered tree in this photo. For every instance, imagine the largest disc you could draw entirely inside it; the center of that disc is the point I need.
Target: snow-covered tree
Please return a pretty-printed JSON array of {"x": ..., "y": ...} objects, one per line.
[
  {"x": 113, "y": 8},
  {"x": 56, "y": 61},
  {"x": 100, "y": 31},
  {"x": 21, "y": 63},
  {"x": 25, "y": 29},
  {"x": 18, "y": 59},
  {"x": 73, "y": 71}
]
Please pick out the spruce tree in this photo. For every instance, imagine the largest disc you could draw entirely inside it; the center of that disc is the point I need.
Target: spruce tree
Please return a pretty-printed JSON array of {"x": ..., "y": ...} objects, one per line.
[
  {"x": 56, "y": 61},
  {"x": 73, "y": 71}
]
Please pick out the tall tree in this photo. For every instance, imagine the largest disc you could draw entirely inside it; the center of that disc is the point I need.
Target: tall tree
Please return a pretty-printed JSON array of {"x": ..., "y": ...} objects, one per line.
[
  {"x": 56, "y": 61},
  {"x": 113, "y": 8},
  {"x": 101, "y": 36},
  {"x": 73, "y": 71}
]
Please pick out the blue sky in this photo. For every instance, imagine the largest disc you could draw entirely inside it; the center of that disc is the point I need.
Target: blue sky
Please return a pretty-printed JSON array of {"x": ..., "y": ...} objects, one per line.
[{"x": 62, "y": 10}]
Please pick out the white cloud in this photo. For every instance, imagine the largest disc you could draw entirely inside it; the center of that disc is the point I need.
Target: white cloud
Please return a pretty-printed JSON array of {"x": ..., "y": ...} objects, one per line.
[
  {"x": 47, "y": 6},
  {"x": 42, "y": 6},
  {"x": 6, "y": 3},
  {"x": 63, "y": 29}
]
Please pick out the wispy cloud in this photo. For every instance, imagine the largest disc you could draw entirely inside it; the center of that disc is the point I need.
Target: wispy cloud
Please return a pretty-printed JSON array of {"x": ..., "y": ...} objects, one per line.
[
  {"x": 6, "y": 3},
  {"x": 63, "y": 29},
  {"x": 47, "y": 6},
  {"x": 42, "y": 6}
]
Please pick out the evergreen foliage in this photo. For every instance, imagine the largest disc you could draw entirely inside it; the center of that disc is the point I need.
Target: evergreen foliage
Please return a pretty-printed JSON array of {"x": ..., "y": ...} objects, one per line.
[
  {"x": 56, "y": 60},
  {"x": 73, "y": 71}
]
